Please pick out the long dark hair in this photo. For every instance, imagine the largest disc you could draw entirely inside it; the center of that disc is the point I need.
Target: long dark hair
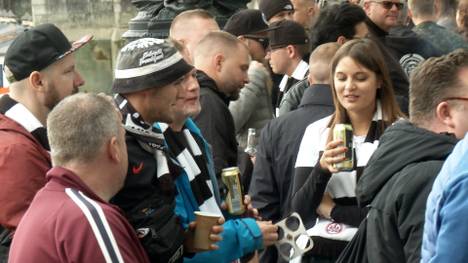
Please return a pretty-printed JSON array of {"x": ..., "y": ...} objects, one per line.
[{"x": 365, "y": 52}]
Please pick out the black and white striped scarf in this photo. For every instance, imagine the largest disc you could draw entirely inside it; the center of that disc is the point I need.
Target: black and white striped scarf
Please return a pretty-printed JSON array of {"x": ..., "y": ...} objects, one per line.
[
  {"x": 20, "y": 114},
  {"x": 185, "y": 146},
  {"x": 151, "y": 140}
]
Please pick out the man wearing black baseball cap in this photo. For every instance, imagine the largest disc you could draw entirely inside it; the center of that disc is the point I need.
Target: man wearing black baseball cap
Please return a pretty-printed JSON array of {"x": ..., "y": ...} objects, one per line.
[
  {"x": 253, "y": 108},
  {"x": 276, "y": 10},
  {"x": 288, "y": 45},
  {"x": 40, "y": 67},
  {"x": 149, "y": 74}
]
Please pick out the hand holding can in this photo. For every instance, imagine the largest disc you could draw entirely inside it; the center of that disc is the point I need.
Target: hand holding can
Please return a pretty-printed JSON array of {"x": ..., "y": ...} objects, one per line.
[
  {"x": 344, "y": 132},
  {"x": 231, "y": 178},
  {"x": 338, "y": 154}
]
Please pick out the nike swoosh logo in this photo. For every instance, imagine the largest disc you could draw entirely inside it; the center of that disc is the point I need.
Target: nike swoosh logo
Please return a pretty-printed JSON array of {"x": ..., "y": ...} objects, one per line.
[{"x": 137, "y": 169}]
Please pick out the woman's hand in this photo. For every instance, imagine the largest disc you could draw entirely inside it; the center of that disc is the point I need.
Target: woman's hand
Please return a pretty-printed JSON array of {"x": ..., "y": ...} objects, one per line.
[{"x": 333, "y": 154}]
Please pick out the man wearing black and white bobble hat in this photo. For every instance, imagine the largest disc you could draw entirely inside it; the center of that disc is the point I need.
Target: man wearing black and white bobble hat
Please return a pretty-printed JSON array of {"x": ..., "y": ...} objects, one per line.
[{"x": 148, "y": 77}]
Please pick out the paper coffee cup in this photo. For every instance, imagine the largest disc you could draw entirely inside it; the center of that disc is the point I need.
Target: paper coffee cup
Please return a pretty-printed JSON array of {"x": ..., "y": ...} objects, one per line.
[{"x": 205, "y": 221}]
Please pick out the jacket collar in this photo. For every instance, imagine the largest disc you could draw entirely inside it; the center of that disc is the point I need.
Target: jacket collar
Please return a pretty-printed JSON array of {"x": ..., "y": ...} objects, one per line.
[
  {"x": 375, "y": 29},
  {"x": 299, "y": 73},
  {"x": 68, "y": 179},
  {"x": 206, "y": 82},
  {"x": 317, "y": 94},
  {"x": 426, "y": 24},
  {"x": 22, "y": 116}
]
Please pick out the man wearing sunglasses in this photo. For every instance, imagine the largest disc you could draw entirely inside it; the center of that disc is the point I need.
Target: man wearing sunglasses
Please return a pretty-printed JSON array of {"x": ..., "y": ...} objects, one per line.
[
  {"x": 253, "y": 108},
  {"x": 383, "y": 14},
  {"x": 402, "y": 48}
]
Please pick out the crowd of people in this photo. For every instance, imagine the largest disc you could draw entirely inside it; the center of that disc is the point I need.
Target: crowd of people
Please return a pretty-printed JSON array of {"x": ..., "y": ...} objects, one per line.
[{"x": 120, "y": 177}]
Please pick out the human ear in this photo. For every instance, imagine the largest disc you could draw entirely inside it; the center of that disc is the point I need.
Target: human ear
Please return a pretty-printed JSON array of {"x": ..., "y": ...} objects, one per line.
[
  {"x": 341, "y": 40},
  {"x": 218, "y": 61},
  {"x": 36, "y": 81},
  {"x": 291, "y": 51},
  {"x": 366, "y": 7},
  {"x": 444, "y": 114},
  {"x": 113, "y": 150}
]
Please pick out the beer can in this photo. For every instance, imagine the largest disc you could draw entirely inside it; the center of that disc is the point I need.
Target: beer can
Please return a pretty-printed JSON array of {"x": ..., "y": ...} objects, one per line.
[
  {"x": 231, "y": 178},
  {"x": 344, "y": 132}
]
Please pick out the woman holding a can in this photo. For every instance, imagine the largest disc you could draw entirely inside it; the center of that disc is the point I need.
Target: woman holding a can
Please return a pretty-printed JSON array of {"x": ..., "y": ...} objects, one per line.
[{"x": 327, "y": 171}]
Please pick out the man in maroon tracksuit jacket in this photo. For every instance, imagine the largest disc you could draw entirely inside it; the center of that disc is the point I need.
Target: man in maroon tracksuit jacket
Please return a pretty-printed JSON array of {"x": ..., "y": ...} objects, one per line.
[{"x": 70, "y": 219}]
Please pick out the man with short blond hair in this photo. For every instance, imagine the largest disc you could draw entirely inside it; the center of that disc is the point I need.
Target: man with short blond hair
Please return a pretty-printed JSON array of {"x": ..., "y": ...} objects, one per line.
[
  {"x": 305, "y": 12},
  {"x": 222, "y": 61},
  {"x": 190, "y": 26},
  {"x": 70, "y": 218}
]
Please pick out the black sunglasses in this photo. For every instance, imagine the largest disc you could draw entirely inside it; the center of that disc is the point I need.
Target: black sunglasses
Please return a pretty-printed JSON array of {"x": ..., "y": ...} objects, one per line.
[
  {"x": 389, "y": 4},
  {"x": 262, "y": 40}
]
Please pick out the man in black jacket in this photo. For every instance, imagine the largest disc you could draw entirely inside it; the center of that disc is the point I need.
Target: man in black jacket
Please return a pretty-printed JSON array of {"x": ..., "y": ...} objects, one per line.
[
  {"x": 404, "y": 45},
  {"x": 148, "y": 77},
  {"x": 222, "y": 61},
  {"x": 280, "y": 140},
  {"x": 399, "y": 176}
]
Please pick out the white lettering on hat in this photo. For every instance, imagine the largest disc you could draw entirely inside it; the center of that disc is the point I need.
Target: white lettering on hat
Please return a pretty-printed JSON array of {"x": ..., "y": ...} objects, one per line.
[
  {"x": 148, "y": 69},
  {"x": 288, "y": 7},
  {"x": 142, "y": 43},
  {"x": 151, "y": 56}
]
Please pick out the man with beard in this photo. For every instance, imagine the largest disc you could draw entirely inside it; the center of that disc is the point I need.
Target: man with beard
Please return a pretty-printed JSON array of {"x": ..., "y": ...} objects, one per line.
[
  {"x": 223, "y": 62},
  {"x": 253, "y": 108},
  {"x": 40, "y": 67}
]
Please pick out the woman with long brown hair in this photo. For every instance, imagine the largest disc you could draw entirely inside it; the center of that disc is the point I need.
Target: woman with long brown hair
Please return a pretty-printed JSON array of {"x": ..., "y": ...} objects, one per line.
[{"x": 323, "y": 195}]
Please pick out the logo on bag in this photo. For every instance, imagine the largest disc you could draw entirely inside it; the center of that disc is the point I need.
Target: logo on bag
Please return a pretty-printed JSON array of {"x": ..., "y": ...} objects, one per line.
[{"x": 334, "y": 228}]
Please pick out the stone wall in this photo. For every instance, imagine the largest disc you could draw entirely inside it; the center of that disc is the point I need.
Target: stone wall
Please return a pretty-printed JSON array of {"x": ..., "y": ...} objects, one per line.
[
  {"x": 107, "y": 20},
  {"x": 18, "y": 7}
]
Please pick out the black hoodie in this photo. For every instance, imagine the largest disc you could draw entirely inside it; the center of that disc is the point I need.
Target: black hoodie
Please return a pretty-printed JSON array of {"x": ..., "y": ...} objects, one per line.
[
  {"x": 216, "y": 123},
  {"x": 395, "y": 185}
]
